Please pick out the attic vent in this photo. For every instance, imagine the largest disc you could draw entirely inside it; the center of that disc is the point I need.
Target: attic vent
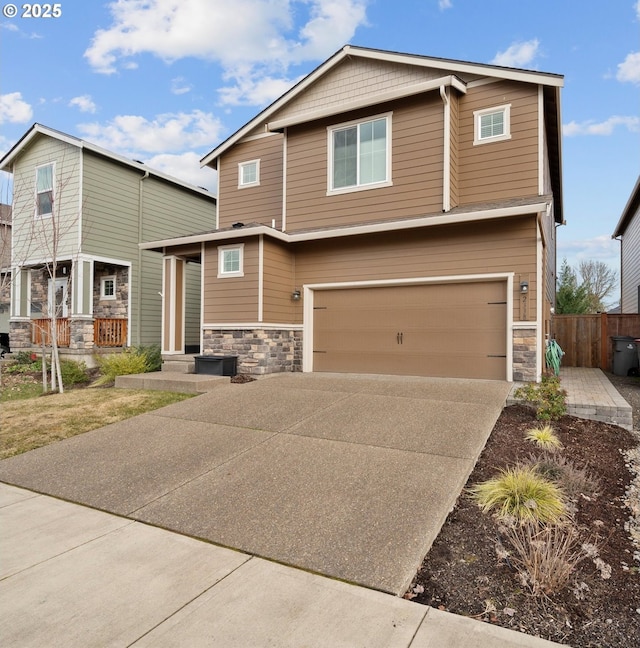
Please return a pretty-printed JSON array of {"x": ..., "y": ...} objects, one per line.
[{"x": 237, "y": 225}]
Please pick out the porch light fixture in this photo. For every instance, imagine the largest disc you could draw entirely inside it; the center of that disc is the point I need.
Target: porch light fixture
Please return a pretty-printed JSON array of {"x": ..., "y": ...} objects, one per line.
[
  {"x": 295, "y": 295},
  {"x": 524, "y": 287}
]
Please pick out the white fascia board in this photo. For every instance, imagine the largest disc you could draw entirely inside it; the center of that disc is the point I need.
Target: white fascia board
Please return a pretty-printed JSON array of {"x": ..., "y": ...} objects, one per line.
[
  {"x": 369, "y": 100},
  {"x": 316, "y": 235}
]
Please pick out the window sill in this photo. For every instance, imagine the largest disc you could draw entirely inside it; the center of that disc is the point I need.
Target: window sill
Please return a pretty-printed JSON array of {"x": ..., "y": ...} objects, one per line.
[
  {"x": 230, "y": 275},
  {"x": 489, "y": 140},
  {"x": 346, "y": 190}
]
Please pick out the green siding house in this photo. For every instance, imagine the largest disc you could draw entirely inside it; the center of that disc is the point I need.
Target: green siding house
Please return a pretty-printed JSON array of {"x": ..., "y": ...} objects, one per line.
[{"x": 79, "y": 215}]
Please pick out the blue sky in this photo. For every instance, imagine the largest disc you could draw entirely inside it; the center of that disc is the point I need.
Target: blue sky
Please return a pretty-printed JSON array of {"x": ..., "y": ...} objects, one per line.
[{"x": 164, "y": 81}]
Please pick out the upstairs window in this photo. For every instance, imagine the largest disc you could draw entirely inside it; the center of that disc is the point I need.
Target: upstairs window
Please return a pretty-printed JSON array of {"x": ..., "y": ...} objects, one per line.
[
  {"x": 231, "y": 261},
  {"x": 359, "y": 155},
  {"x": 249, "y": 173},
  {"x": 44, "y": 190},
  {"x": 492, "y": 124}
]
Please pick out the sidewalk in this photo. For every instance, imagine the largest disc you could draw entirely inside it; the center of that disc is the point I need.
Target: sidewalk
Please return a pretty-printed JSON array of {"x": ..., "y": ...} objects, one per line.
[{"x": 73, "y": 576}]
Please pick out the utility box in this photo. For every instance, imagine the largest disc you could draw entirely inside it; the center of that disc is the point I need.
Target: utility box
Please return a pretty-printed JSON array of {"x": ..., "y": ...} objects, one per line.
[
  {"x": 213, "y": 365},
  {"x": 625, "y": 355}
]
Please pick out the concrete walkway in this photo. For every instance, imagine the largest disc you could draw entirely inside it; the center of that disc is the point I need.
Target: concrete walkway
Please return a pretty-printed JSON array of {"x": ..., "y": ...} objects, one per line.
[{"x": 76, "y": 577}]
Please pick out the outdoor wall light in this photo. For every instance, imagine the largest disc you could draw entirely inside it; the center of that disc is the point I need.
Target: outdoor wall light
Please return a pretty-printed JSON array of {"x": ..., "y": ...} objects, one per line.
[
  {"x": 295, "y": 295},
  {"x": 524, "y": 287}
]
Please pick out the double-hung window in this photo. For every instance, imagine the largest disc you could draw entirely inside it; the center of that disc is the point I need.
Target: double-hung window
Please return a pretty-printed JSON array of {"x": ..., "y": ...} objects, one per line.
[
  {"x": 44, "y": 190},
  {"x": 492, "y": 124},
  {"x": 360, "y": 154}
]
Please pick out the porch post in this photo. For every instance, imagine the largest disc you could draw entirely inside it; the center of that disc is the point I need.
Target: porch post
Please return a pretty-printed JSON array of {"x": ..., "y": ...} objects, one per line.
[{"x": 173, "y": 305}]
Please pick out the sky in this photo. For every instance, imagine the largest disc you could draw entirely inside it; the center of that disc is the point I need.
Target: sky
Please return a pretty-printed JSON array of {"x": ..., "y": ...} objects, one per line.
[{"x": 165, "y": 81}]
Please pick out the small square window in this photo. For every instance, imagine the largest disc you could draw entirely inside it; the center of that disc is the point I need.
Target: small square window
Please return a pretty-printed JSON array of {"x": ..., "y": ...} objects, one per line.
[
  {"x": 492, "y": 124},
  {"x": 108, "y": 288},
  {"x": 231, "y": 261},
  {"x": 249, "y": 173}
]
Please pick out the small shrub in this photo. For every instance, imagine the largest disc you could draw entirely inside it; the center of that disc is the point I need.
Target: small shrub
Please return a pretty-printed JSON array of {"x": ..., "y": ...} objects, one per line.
[
  {"x": 73, "y": 373},
  {"x": 120, "y": 364},
  {"x": 545, "y": 556},
  {"x": 544, "y": 438},
  {"x": 30, "y": 366},
  {"x": 548, "y": 397},
  {"x": 572, "y": 479},
  {"x": 522, "y": 493},
  {"x": 153, "y": 356}
]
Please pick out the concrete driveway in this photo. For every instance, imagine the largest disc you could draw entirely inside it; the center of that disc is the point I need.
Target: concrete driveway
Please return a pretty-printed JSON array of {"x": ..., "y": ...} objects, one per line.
[{"x": 348, "y": 476}]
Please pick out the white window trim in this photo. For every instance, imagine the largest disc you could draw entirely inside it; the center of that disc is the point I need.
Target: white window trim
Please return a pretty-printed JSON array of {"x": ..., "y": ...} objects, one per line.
[
  {"x": 478, "y": 114},
  {"x": 53, "y": 191},
  {"x": 103, "y": 281},
  {"x": 221, "y": 250},
  {"x": 241, "y": 166},
  {"x": 359, "y": 187}
]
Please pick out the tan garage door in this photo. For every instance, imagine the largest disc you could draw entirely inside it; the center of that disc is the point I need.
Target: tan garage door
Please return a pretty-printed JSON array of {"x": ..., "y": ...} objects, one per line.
[{"x": 448, "y": 330}]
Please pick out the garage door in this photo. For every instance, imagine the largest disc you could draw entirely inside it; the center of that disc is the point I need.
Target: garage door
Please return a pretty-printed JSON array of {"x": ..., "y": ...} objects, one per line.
[{"x": 448, "y": 330}]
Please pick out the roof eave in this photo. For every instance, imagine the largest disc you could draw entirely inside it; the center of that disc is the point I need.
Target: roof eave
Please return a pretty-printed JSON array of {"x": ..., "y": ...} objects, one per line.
[{"x": 632, "y": 206}]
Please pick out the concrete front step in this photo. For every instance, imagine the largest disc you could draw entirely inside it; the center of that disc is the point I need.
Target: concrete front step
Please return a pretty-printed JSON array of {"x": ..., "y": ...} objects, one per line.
[
  {"x": 184, "y": 364},
  {"x": 172, "y": 381}
]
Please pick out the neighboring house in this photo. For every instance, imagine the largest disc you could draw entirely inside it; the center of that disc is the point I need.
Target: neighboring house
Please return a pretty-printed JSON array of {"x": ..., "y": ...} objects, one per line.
[
  {"x": 5, "y": 274},
  {"x": 628, "y": 231},
  {"x": 390, "y": 214},
  {"x": 79, "y": 213}
]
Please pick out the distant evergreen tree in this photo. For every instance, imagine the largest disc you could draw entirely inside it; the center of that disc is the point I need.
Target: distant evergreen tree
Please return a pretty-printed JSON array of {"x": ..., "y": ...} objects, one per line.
[{"x": 571, "y": 298}]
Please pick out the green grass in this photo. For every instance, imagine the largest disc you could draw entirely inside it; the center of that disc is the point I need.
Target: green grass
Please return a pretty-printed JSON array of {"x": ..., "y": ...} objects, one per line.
[
  {"x": 544, "y": 437},
  {"x": 35, "y": 421}
]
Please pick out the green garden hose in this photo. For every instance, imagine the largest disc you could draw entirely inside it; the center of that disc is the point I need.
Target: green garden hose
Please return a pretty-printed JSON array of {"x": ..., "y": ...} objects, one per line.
[{"x": 553, "y": 355}]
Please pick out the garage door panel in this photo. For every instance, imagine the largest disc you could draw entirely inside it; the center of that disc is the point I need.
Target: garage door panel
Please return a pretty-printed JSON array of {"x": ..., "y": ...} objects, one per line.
[{"x": 455, "y": 330}]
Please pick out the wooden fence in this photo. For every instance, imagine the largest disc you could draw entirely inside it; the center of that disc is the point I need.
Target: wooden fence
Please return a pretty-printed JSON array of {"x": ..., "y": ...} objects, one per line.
[
  {"x": 41, "y": 331},
  {"x": 586, "y": 339}
]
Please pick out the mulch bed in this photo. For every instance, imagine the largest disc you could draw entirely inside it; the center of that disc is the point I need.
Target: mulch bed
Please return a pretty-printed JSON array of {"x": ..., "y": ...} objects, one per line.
[{"x": 465, "y": 573}]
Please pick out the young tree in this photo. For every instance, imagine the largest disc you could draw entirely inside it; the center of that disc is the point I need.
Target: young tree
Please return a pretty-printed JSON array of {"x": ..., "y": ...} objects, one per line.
[
  {"x": 571, "y": 298},
  {"x": 599, "y": 281}
]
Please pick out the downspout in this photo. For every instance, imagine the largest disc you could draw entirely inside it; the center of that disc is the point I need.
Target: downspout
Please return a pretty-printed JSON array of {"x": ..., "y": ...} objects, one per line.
[
  {"x": 139, "y": 290},
  {"x": 446, "y": 172}
]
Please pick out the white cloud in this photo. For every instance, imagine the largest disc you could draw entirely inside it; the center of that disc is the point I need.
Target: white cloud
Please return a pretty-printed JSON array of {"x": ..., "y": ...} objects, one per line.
[
  {"x": 606, "y": 127},
  {"x": 84, "y": 103},
  {"x": 599, "y": 248},
  {"x": 445, "y": 4},
  {"x": 264, "y": 37},
  {"x": 180, "y": 86},
  {"x": 14, "y": 109},
  {"x": 186, "y": 167},
  {"x": 254, "y": 90},
  {"x": 638, "y": 9},
  {"x": 170, "y": 132},
  {"x": 517, "y": 54},
  {"x": 629, "y": 69}
]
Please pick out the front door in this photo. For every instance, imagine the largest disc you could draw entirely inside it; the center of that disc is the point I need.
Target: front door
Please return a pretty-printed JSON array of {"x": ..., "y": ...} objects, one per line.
[{"x": 58, "y": 297}]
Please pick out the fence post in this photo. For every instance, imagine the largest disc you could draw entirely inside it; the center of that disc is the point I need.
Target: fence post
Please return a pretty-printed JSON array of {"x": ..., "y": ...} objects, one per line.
[{"x": 604, "y": 342}]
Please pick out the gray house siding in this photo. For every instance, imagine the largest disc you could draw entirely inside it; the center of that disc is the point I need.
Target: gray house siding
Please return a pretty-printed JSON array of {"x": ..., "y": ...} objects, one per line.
[
  {"x": 32, "y": 236},
  {"x": 630, "y": 264}
]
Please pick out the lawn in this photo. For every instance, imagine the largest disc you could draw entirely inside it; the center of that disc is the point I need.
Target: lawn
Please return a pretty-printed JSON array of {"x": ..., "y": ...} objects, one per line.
[{"x": 30, "y": 420}]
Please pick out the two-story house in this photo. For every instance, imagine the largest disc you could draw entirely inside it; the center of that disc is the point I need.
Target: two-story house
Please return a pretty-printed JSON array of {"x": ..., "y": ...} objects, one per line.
[
  {"x": 79, "y": 213},
  {"x": 390, "y": 214},
  {"x": 628, "y": 231}
]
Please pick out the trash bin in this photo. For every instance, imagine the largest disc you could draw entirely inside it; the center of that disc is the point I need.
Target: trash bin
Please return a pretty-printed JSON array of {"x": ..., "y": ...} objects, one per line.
[
  {"x": 625, "y": 354},
  {"x": 216, "y": 365}
]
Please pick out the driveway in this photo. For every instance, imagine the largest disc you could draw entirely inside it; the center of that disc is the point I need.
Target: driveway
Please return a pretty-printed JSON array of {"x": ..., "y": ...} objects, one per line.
[{"x": 348, "y": 476}]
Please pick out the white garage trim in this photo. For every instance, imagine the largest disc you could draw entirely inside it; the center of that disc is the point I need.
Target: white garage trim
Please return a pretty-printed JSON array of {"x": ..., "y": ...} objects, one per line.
[{"x": 309, "y": 289}]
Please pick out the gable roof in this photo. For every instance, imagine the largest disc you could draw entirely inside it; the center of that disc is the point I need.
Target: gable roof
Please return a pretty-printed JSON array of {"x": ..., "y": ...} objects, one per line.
[
  {"x": 631, "y": 209},
  {"x": 451, "y": 65},
  {"x": 38, "y": 130}
]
